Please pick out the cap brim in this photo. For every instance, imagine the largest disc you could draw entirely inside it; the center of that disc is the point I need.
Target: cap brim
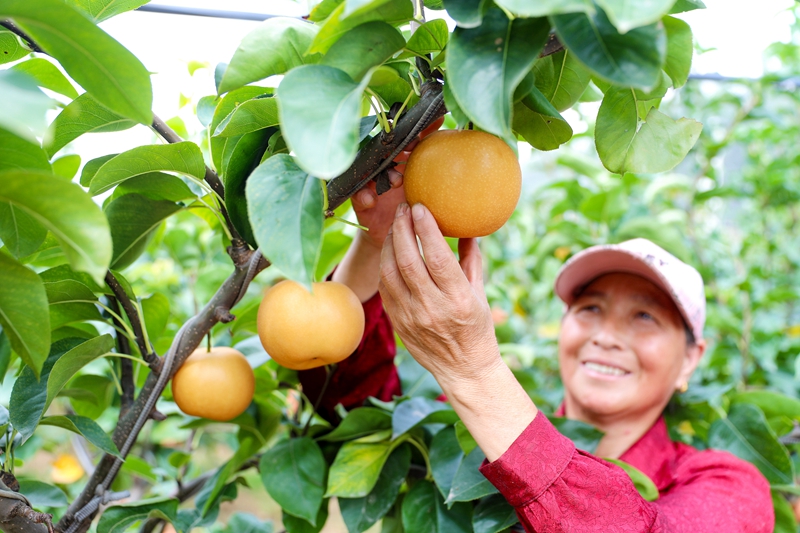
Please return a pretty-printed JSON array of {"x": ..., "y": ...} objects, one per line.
[{"x": 593, "y": 263}]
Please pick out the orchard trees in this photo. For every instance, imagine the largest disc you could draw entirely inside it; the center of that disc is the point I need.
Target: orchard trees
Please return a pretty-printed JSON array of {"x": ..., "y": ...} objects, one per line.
[{"x": 269, "y": 184}]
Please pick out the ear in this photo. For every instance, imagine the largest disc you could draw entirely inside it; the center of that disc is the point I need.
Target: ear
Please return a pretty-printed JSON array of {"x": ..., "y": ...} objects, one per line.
[{"x": 693, "y": 355}]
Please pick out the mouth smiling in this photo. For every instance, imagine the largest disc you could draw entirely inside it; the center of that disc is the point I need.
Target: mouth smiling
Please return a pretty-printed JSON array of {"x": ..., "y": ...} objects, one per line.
[{"x": 603, "y": 370}]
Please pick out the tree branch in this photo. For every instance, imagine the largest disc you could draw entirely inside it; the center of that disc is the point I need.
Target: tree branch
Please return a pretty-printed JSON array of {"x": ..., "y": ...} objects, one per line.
[
  {"x": 126, "y": 365},
  {"x": 8, "y": 24},
  {"x": 133, "y": 317},
  {"x": 553, "y": 45},
  {"x": 193, "y": 333}
]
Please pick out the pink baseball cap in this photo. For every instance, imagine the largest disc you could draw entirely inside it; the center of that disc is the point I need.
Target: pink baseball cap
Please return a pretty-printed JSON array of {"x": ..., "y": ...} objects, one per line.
[{"x": 643, "y": 258}]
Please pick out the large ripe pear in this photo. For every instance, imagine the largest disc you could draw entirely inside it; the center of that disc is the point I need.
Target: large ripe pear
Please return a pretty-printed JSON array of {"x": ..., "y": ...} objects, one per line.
[
  {"x": 217, "y": 385},
  {"x": 469, "y": 180},
  {"x": 301, "y": 329}
]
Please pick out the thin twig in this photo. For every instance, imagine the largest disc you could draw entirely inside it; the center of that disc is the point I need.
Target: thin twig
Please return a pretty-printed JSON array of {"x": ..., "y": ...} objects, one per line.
[
  {"x": 126, "y": 365},
  {"x": 329, "y": 370},
  {"x": 15, "y": 29},
  {"x": 133, "y": 317}
]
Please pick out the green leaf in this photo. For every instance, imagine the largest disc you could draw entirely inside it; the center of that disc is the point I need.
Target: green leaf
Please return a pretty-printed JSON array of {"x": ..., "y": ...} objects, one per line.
[
  {"x": 246, "y": 156},
  {"x": 47, "y": 75},
  {"x": 364, "y": 47},
  {"x": 5, "y": 355},
  {"x": 133, "y": 218},
  {"x": 156, "y": 315},
  {"x": 101, "y": 391},
  {"x": 429, "y": 38},
  {"x": 631, "y": 60},
  {"x": 624, "y": 146},
  {"x": 323, "y": 136},
  {"x": 42, "y": 494},
  {"x": 252, "y": 115},
  {"x": 119, "y": 518},
  {"x": 543, "y": 8},
  {"x": 360, "y": 514},
  {"x": 493, "y": 514},
  {"x": 468, "y": 483},
  {"x": 746, "y": 434},
  {"x": 91, "y": 167},
  {"x": 393, "y": 12},
  {"x": 74, "y": 360},
  {"x": 155, "y": 186},
  {"x": 485, "y": 65},
  {"x": 86, "y": 427},
  {"x": 539, "y": 123},
  {"x": 67, "y": 166},
  {"x": 445, "y": 456},
  {"x": 276, "y": 46},
  {"x": 12, "y": 47},
  {"x": 584, "y": 436},
  {"x": 681, "y": 6},
  {"x": 286, "y": 215},
  {"x": 248, "y": 445},
  {"x": 644, "y": 485},
  {"x": 17, "y": 153},
  {"x": 100, "y": 10},
  {"x": 679, "y": 50},
  {"x": 418, "y": 411},
  {"x": 771, "y": 403},
  {"x": 466, "y": 441},
  {"x": 84, "y": 115},
  {"x": 182, "y": 158},
  {"x": 222, "y": 147},
  {"x": 24, "y": 105},
  {"x": 356, "y": 468},
  {"x": 360, "y": 422},
  {"x": 90, "y": 56},
  {"x": 424, "y": 511},
  {"x": 20, "y": 232},
  {"x": 562, "y": 79},
  {"x": 785, "y": 521},
  {"x": 626, "y": 15},
  {"x": 294, "y": 473},
  {"x": 70, "y": 301},
  {"x": 24, "y": 313},
  {"x": 298, "y": 525},
  {"x": 467, "y": 13},
  {"x": 29, "y": 395},
  {"x": 246, "y": 523}
]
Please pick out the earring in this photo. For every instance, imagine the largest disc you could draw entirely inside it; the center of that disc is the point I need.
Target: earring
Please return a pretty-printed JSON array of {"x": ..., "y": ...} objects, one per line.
[{"x": 684, "y": 387}]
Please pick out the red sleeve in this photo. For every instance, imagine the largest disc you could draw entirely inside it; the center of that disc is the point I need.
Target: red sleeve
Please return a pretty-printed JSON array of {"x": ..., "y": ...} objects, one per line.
[
  {"x": 556, "y": 488},
  {"x": 369, "y": 371}
]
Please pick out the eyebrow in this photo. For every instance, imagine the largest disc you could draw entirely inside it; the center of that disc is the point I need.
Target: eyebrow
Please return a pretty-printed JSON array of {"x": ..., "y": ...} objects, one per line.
[{"x": 643, "y": 298}]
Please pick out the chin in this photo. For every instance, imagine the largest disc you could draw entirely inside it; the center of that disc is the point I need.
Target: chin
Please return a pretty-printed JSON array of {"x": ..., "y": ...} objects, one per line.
[{"x": 600, "y": 403}]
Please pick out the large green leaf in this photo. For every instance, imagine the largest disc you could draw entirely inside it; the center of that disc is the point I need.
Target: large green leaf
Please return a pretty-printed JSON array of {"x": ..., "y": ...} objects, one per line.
[
  {"x": 42, "y": 494},
  {"x": 84, "y": 115},
  {"x": 222, "y": 147},
  {"x": 29, "y": 395},
  {"x": 485, "y": 65},
  {"x": 584, "y": 436},
  {"x": 493, "y": 514},
  {"x": 418, "y": 411},
  {"x": 294, "y": 473},
  {"x": 469, "y": 484},
  {"x": 644, "y": 485},
  {"x": 364, "y": 47},
  {"x": 286, "y": 215},
  {"x": 679, "y": 50},
  {"x": 445, "y": 456},
  {"x": 182, "y": 158},
  {"x": 429, "y": 38},
  {"x": 91, "y": 167},
  {"x": 561, "y": 78},
  {"x": 246, "y": 523},
  {"x": 74, "y": 360},
  {"x": 356, "y": 468},
  {"x": 101, "y": 10},
  {"x": 47, "y": 75},
  {"x": 392, "y": 12},
  {"x": 24, "y": 105},
  {"x": 276, "y": 46},
  {"x": 681, "y": 6},
  {"x": 771, "y": 403},
  {"x": 120, "y": 518},
  {"x": 634, "y": 59},
  {"x": 17, "y": 153},
  {"x": 320, "y": 111},
  {"x": 85, "y": 427},
  {"x": 89, "y": 55},
  {"x": 70, "y": 301},
  {"x": 539, "y": 123},
  {"x": 467, "y": 13},
  {"x": 156, "y": 186},
  {"x": 625, "y": 145},
  {"x": 543, "y": 8},
  {"x": 785, "y": 521},
  {"x": 133, "y": 218},
  {"x": 424, "y": 511},
  {"x": 24, "y": 313},
  {"x": 96, "y": 394},
  {"x": 68, "y": 212},
  {"x": 252, "y": 115},
  {"x": 360, "y": 422},
  {"x": 746, "y": 434},
  {"x": 294, "y": 524},
  {"x": 12, "y": 47},
  {"x": 629, "y": 14},
  {"x": 360, "y": 514},
  {"x": 155, "y": 309},
  {"x": 247, "y": 153},
  {"x": 5, "y": 355}
]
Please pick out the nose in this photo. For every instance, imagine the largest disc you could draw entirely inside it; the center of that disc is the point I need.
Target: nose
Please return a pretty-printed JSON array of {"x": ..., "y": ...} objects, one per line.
[{"x": 606, "y": 338}]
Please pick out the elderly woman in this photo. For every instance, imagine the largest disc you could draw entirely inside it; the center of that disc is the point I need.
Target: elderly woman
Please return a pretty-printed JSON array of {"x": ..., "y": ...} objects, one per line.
[{"x": 631, "y": 336}]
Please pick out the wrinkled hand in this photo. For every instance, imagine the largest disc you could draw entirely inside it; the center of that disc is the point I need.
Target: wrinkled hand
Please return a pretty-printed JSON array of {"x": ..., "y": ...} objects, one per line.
[{"x": 437, "y": 305}]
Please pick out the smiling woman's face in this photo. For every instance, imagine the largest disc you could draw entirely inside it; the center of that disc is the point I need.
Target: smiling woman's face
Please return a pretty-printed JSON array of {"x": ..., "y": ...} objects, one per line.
[{"x": 622, "y": 350}]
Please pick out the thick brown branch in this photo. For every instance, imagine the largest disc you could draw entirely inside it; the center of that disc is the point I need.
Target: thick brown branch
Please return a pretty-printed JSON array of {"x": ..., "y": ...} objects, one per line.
[
  {"x": 15, "y": 29},
  {"x": 196, "y": 329},
  {"x": 133, "y": 316},
  {"x": 126, "y": 365}
]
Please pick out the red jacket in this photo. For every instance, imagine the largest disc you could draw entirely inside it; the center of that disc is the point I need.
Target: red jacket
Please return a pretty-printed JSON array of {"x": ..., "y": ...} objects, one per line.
[{"x": 556, "y": 488}]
